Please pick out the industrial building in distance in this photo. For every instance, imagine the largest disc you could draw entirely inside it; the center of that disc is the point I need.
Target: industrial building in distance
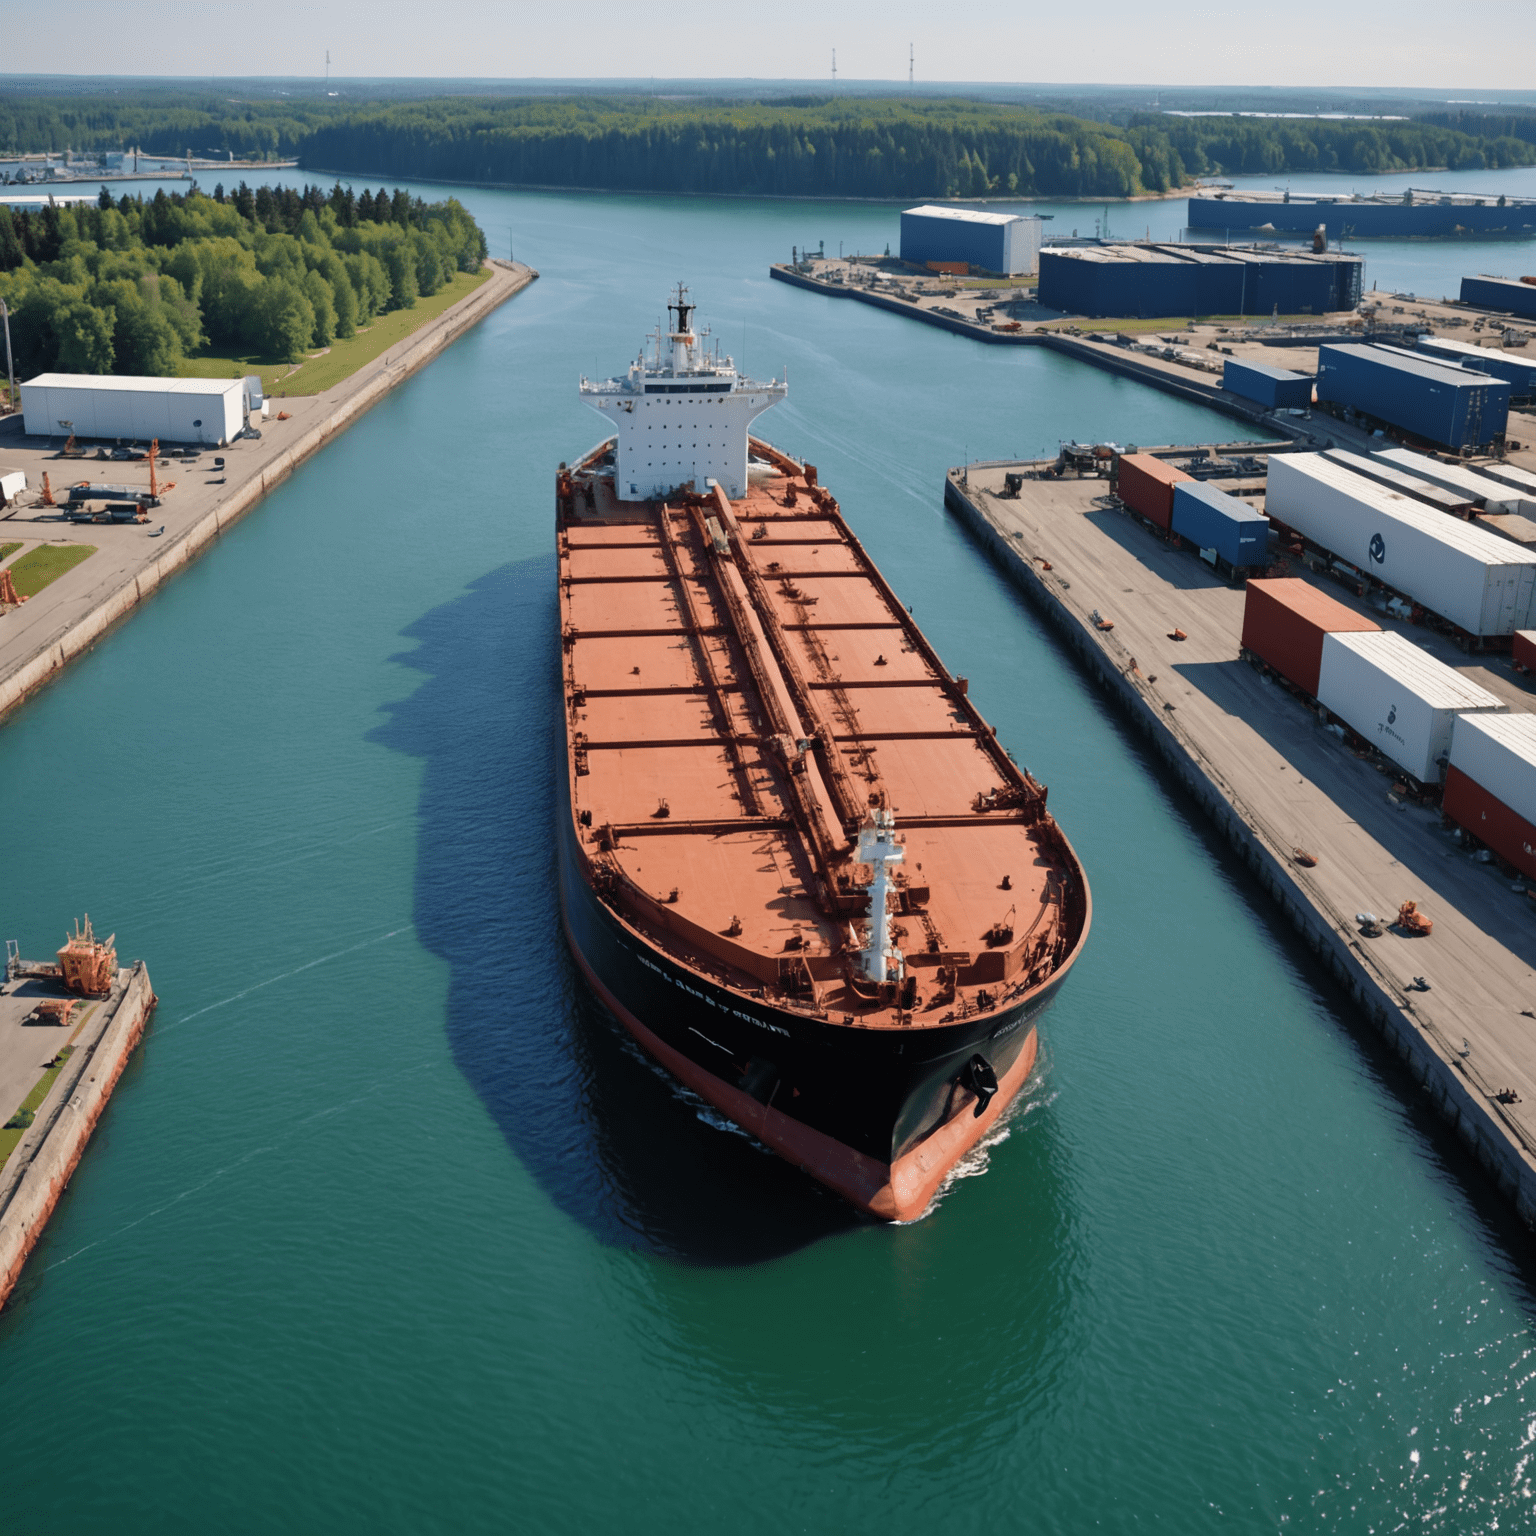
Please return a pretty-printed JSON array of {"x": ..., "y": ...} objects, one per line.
[
  {"x": 1411, "y": 214},
  {"x": 1142, "y": 281},
  {"x": 961, "y": 240}
]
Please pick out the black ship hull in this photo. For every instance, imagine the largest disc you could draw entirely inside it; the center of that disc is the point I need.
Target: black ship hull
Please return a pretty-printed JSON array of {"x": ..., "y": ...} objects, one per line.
[{"x": 880, "y": 1115}]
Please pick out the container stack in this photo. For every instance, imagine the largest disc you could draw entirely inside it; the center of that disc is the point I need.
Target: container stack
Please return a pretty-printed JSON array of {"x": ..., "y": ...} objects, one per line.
[
  {"x": 1501, "y": 293},
  {"x": 1145, "y": 484},
  {"x": 1438, "y": 402},
  {"x": 1482, "y": 490},
  {"x": 1479, "y": 582},
  {"x": 1490, "y": 784},
  {"x": 1517, "y": 373},
  {"x": 1226, "y": 530},
  {"x": 1284, "y": 622},
  {"x": 1373, "y": 467},
  {"x": 1274, "y": 388},
  {"x": 1402, "y": 700}
]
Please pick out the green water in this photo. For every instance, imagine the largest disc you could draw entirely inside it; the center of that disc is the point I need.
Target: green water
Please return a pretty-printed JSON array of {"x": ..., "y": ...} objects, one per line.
[{"x": 388, "y": 1229}]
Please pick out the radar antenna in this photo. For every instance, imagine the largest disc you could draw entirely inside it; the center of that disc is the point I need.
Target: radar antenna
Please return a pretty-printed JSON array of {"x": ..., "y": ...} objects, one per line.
[{"x": 682, "y": 308}]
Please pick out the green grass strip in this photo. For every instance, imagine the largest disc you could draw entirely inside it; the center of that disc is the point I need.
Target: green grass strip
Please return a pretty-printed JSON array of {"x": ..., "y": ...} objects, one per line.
[
  {"x": 7, "y": 550},
  {"x": 33, "y": 1101},
  {"x": 345, "y": 357},
  {"x": 46, "y": 563}
]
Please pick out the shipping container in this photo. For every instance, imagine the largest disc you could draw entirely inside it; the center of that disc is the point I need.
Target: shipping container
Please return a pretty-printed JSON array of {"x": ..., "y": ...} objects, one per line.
[
  {"x": 1398, "y": 697},
  {"x": 1523, "y": 648},
  {"x": 1501, "y": 293},
  {"x": 1486, "y": 817},
  {"x": 1520, "y": 374},
  {"x": 1284, "y": 621},
  {"x": 1480, "y": 582},
  {"x": 1519, "y": 480},
  {"x": 1005, "y": 243},
  {"x": 1145, "y": 484},
  {"x": 1487, "y": 493},
  {"x": 1263, "y": 383},
  {"x": 1442, "y": 404},
  {"x": 1454, "y": 503},
  {"x": 1490, "y": 786},
  {"x": 1214, "y": 520},
  {"x": 1509, "y": 525}
]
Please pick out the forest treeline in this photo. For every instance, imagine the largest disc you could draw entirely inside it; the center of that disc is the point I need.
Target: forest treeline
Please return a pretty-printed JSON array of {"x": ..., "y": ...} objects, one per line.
[
  {"x": 867, "y": 147},
  {"x": 136, "y": 285}
]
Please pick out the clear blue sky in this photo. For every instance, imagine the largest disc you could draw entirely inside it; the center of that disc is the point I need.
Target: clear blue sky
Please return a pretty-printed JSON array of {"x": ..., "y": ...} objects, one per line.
[{"x": 1417, "y": 43}]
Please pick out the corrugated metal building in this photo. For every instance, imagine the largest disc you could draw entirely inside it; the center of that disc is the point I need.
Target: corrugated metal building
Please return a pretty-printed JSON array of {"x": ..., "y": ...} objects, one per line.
[
  {"x": 94, "y": 405},
  {"x": 1502, "y": 293},
  {"x": 1006, "y": 243},
  {"x": 1150, "y": 281},
  {"x": 1443, "y": 404}
]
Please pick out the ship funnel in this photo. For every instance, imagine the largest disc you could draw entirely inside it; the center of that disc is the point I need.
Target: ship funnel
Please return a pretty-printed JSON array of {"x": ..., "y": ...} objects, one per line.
[{"x": 880, "y": 960}]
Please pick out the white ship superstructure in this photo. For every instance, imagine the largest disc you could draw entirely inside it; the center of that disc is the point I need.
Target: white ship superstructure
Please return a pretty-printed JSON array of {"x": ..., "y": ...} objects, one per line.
[{"x": 681, "y": 414}]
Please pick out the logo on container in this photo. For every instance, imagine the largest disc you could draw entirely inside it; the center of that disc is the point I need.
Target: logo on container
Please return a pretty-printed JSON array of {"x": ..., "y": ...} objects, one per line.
[
  {"x": 1386, "y": 728},
  {"x": 1378, "y": 549},
  {"x": 1392, "y": 715}
]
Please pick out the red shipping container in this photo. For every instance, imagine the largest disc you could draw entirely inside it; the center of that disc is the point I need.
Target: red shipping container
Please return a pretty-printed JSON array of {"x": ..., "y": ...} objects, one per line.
[
  {"x": 1489, "y": 820},
  {"x": 1145, "y": 484},
  {"x": 1525, "y": 649},
  {"x": 1284, "y": 621}
]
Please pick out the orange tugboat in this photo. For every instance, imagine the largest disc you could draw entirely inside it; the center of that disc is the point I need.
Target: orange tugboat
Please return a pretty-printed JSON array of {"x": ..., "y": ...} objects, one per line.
[{"x": 795, "y": 862}]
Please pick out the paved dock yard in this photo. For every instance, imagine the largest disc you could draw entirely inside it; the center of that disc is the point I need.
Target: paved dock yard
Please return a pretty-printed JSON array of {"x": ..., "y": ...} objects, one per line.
[
  {"x": 101, "y": 1036},
  {"x": 45, "y": 633},
  {"x": 1274, "y": 780}
]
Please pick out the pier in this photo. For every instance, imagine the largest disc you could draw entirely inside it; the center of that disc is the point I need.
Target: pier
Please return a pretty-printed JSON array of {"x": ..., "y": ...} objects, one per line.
[
  {"x": 1159, "y": 631},
  {"x": 130, "y": 560}
]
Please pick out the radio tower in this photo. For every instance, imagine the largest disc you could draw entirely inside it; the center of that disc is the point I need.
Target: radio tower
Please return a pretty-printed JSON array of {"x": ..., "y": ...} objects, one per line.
[
  {"x": 327, "y": 69},
  {"x": 834, "y": 69},
  {"x": 909, "y": 66}
]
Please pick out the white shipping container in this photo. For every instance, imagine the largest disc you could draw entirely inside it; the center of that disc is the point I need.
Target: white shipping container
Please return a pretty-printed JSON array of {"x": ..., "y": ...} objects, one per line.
[
  {"x": 1483, "y": 583},
  {"x": 1398, "y": 697},
  {"x": 1498, "y": 752},
  {"x": 138, "y": 409},
  {"x": 1521, "y": 480},
  {"x": 1495, "y": 496}
]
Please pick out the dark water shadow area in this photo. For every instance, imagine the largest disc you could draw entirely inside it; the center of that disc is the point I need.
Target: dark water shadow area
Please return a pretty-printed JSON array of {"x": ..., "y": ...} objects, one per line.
[{"x": 607, "y": 1135}]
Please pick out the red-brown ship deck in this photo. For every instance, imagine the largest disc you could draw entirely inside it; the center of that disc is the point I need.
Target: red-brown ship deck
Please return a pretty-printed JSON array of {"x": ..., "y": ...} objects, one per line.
[{"x": 741, "y": 688}]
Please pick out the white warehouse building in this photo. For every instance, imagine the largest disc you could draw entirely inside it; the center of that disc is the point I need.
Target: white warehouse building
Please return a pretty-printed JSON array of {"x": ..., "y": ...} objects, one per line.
[{"x": 104, "y": 405}]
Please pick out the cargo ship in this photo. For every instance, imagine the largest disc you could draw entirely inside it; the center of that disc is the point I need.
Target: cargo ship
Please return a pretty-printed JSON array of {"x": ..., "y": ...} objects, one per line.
[
  {"x": 795, "y": 863},
  {"x": 1410, "y": 215}
]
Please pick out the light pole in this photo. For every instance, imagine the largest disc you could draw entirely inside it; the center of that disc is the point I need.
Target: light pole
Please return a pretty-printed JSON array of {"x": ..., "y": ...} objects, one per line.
[{"x": 10, "y": 370}]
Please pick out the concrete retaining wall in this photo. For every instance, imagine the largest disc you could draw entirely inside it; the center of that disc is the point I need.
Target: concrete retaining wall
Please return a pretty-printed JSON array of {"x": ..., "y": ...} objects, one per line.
[
  {"x": 40, "y": 1168},
  {"x": 1494, "y": 1141},
  {"x": 422, "y": 348}
]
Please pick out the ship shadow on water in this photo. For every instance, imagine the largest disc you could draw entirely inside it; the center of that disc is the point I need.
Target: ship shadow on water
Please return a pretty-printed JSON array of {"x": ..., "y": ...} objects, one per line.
[{"x": 609, "y": 1137}]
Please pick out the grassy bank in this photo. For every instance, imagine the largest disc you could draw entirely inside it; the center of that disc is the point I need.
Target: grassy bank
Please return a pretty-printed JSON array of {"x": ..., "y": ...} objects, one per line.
[
  {"x": 46, "y": 563},
  {"x": 322, "y": 371}
]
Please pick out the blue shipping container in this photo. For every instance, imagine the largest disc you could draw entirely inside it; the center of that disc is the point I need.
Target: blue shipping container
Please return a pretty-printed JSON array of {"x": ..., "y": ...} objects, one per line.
[
  {"x": 1452, "y": 407},
  {"x": 1277, "y": 388},
  {"x": 1214, "y": 520},
  {"x": 1500, "y": 293},
  {"x": 1521, "y": 375}
]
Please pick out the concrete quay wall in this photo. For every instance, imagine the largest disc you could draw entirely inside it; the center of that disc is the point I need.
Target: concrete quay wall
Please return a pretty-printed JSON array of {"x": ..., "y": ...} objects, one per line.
[
  {"x": 418, "y": 350},
  {"x": 1497, "y": 1143},
  {"x": 40, "y": 1168}
]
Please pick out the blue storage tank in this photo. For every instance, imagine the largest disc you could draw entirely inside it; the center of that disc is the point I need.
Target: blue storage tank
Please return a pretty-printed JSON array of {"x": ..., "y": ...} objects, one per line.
[
  {"x": 1214, "y": 520},
  {"x": 1276, "y": 388},
  {"x": 1500, "y": 293},
  {"x": 1452, "y": 407}
]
